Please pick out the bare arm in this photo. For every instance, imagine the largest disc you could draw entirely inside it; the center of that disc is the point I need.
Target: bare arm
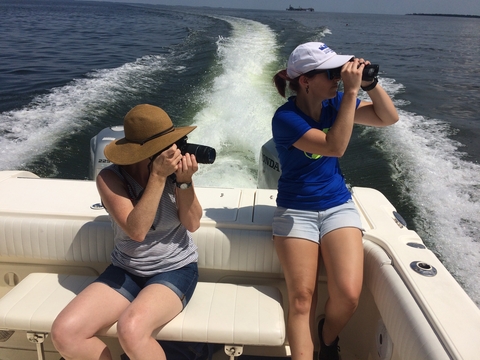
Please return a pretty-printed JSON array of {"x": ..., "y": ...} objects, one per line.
[
  {"x": 189, "y": 208},
  {"x": 335, "y": 141},
  {"x": 380, "y": 112},
  {"x": 137, "y": 219}
]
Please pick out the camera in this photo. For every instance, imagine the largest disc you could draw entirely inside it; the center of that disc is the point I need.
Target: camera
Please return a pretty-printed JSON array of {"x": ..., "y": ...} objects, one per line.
[
  {"x": 203, "y": 154},
  {"x": 368, "y": 74}
]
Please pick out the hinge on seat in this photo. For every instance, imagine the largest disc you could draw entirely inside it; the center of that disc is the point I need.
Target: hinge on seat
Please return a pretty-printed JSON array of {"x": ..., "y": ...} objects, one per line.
[
  {"x": 233, "y": 351},
  {"x": 38, "y": 339}
]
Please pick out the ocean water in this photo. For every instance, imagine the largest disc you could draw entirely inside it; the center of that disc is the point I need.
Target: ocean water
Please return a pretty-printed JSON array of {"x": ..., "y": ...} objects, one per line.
[{"x": 68, "y": 69}]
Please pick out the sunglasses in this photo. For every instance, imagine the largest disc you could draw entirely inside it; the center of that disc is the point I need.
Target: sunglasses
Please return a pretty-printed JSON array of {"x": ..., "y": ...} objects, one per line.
[
  {"x": 331, "y": 73},
  {"x": 369, "y": 73}
]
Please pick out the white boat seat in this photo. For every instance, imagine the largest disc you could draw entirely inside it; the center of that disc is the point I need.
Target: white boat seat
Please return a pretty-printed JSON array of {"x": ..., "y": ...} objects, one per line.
[{"x": 229, "y": 314}]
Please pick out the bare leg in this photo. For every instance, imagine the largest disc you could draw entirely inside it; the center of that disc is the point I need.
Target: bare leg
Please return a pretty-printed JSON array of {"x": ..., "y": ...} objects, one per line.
[
  {"x": 342, "y": 253},
  {"x": 154, "y": 306},
  {"x": 74, "y": 329},
  {"x": 299, "y": 259}
]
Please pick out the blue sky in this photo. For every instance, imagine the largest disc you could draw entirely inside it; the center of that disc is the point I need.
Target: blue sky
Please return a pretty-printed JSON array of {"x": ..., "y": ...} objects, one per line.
[{"x": 462, "y": 7}]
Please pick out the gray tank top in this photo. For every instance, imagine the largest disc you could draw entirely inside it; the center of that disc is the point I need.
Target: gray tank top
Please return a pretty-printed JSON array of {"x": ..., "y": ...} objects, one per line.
[{"x": 167, "y": 246}]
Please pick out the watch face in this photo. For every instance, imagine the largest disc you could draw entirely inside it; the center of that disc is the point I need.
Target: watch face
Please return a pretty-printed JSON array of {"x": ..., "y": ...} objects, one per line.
[{"x": 184, "y": 186}]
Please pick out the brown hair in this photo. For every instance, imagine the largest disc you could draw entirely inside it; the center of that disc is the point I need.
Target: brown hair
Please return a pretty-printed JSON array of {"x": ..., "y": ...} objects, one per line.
[{"x": 280, "y": 80}]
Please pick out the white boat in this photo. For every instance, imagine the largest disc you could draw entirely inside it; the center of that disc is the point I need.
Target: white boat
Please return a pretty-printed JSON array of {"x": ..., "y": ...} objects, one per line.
[{"x": 55, "y": 237}]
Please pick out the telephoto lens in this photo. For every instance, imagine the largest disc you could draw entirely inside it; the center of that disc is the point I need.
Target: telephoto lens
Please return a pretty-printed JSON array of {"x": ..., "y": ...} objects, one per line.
[{"x": 203, "y": 154}]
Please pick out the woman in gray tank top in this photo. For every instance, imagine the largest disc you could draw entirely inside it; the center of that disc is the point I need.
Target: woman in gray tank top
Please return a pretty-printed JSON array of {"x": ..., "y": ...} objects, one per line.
[{"x": 149, "y": 194}]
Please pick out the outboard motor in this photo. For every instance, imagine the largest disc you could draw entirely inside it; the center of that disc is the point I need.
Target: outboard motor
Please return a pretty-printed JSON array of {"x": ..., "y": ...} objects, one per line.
[
  {"x": 269, "y": 166},
  {"x": 268, "y": 169},
  {"x": 97, "y": 144}
]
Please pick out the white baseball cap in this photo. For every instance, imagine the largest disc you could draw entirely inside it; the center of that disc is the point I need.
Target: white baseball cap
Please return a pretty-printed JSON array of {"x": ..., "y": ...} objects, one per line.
[{"x": 313, "y": 56}]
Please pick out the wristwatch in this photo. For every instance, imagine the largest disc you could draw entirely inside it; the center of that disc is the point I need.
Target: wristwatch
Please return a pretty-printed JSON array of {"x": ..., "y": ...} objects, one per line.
[
  {"x": 370, "y": 86},
  {"x": 184, "y": 185}
]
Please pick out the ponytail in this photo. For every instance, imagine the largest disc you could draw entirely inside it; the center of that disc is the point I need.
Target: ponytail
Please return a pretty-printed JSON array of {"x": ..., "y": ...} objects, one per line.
[{"x": 280, "y": 80}]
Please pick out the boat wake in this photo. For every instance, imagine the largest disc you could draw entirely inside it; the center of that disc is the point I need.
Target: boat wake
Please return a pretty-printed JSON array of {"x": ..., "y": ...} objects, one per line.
[
  {"x": 428, "y": 167},
  {"x": 238, "y": 106},
  {"x": 37, "y": 128}
]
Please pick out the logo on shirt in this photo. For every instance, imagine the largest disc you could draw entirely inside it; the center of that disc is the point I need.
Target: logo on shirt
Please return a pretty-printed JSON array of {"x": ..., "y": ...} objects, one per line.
[
  {"x": 315, "y": 156},
  {"x": 312, "y": 156}
]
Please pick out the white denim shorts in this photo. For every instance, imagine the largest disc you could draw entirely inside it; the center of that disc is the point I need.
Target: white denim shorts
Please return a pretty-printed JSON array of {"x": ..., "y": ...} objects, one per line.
[{"x": 314, "y": 225}]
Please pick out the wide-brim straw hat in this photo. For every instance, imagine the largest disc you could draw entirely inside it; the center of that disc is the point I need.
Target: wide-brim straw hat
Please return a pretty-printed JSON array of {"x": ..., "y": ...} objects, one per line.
[{"x": 148, "y": 130}]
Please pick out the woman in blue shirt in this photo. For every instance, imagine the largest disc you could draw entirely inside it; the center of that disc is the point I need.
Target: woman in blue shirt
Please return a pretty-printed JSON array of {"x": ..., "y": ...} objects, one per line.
[{"x": 315, "y": 213}]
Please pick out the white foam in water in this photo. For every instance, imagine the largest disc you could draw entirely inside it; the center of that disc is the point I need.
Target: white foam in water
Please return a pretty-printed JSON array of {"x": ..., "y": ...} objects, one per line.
[
  {"x": 236, "y": 119},
  {"x": 444, "y": 188},
  {"x": 37, "y": 127}
]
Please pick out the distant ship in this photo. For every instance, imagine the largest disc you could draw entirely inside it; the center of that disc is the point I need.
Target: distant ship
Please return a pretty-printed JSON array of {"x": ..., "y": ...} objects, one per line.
[{"x": 291, "y": 8}]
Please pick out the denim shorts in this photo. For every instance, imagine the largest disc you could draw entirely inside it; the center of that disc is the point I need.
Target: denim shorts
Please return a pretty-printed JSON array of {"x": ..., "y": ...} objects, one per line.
[
  {"x": 314, "y": 225},
  {"x": 181, "y": 281}
]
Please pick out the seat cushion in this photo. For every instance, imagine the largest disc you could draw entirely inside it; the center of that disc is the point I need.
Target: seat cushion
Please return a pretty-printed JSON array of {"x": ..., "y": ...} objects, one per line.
[{"x": 217, "y": 313}]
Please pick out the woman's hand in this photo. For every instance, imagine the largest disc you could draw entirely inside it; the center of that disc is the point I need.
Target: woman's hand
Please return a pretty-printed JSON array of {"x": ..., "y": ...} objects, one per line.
[
  {"x": 367, "y": 82},
  {"x": 189, "y": 209},
  {"x": 186, "y": 168},
  {"x": 352, "y": 75},
  {"x": 167, "y": 162},
  {"x": 380, "y": 111}
]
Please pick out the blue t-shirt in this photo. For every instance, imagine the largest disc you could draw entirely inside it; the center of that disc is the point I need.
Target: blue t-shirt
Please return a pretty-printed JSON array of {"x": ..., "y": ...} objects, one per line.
[{"x": 308, "y": 181}]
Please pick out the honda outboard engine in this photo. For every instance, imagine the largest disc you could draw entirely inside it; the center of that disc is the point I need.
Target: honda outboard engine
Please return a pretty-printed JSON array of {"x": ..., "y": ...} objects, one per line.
[
  {"x": 97, "y": 144},
  {"x": 269, "y": 166}
]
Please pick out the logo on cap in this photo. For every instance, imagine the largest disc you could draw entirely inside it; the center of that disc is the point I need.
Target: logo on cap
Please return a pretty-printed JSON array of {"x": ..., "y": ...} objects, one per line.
[{"x": 326, "y": 49}]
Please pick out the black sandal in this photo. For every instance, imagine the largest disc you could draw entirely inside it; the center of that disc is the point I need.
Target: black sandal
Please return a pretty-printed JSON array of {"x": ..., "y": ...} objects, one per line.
[{"x": 329, "y": 352}]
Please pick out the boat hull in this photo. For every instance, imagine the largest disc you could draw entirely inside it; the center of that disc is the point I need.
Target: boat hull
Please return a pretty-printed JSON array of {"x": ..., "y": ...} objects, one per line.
[{"x": 57, "y": 226}]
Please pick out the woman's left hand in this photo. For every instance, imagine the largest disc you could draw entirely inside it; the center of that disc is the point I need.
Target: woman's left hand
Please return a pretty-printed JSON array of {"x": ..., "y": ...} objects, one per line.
[
  {"x": 189, "y": 209},
  {"x": 365, "y": 63},
  {"x": 187, "y": 166},
  {"x": 380, "y": 111}
]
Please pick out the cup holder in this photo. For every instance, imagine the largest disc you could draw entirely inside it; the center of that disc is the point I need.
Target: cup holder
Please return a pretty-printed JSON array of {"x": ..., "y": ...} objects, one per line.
[{"x": 423, "y": 268}]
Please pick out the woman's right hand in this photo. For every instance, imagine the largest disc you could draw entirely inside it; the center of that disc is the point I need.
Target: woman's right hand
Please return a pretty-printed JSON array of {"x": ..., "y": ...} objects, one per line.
[
  {"x": 352, "y": 75},
  {"x": 166, "y": 163}
]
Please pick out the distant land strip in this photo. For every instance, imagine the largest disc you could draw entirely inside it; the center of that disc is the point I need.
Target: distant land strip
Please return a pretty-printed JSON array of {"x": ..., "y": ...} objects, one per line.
[{"x": 449, "y": 15}]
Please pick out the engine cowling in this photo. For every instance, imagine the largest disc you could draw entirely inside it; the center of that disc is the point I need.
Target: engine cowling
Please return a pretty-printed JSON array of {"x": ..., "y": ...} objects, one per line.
[
  {"x": 97, "y": 144},
  {"x": 269, "y": 166}
]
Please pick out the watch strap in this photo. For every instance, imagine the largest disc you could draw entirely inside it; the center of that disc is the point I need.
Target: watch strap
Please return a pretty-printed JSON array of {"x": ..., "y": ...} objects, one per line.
[
  {"x": 370, "y": 86},
  {"x": 183, "y": 185}
]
